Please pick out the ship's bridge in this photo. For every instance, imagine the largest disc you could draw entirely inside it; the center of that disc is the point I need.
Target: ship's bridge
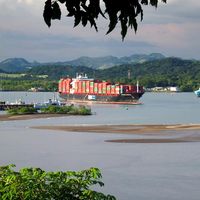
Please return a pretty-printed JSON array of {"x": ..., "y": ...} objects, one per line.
[{"x": 83, "y": 77}]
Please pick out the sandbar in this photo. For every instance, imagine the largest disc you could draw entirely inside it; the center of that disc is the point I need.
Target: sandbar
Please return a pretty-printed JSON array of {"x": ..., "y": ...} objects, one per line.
[{"x": 175, "y": 133}]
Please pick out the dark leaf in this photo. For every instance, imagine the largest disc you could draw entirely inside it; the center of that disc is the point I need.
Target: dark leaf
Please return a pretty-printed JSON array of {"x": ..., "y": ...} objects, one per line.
[
  {"x": 56, "y": 13},
  {"x": 134, "y": 23},
  {"x": 47, "y": 14},
  {"x": 154, "y": 2},
  {"x": 62, "y": 1},
  {"x": 77, "y": 19},
  {"x": 93, "y": 23},
  {"x": 123, "y": 20},
  {"x": 84, "y": 19},
  {"x": 113, "y": 22},
  {"x": 145, "y": 2}
]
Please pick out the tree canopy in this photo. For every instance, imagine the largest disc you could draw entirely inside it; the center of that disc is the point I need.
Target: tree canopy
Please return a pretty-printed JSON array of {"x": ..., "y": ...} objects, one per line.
[
  {"x": 37, "y": 184},
  {"x": 125, "y": 12}
]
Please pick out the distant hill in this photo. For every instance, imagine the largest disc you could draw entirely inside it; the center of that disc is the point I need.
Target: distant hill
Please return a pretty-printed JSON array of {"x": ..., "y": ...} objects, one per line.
[
  {"x": 174, "y": 67},
  {"x": 110, "y": 61},
  {"x": 164, "y": 72},
  {"x": 20, "y": 64},
  {"x": 57, "y": 72},
  {"x": 14, "y": 65},
  {"x": 1, "y": 71}
]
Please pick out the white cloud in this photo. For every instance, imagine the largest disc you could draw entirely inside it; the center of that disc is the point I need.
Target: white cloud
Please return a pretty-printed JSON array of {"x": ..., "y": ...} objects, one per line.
[{"x": 25, "y": 1}]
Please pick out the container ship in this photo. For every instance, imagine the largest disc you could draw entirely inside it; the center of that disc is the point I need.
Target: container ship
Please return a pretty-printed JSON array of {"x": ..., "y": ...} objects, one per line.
[{"x": 83, "y": 89}]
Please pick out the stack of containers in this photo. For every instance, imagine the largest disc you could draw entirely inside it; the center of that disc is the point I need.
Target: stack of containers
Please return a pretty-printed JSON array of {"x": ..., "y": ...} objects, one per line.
[
  {"x": 112, "y": 89},
  {"x": 117, "y": 89},
  {"x": 60, "y": 88},
  {"x": 83, "y": 86},
  {"x": 76, "y": 87},
  {"x": 108, "y": 89},
  {"x": 79, "y": 86},
  {"x": 104, "y": 87},
  {"x": 67, "y": 84},
  {"x": 87, "y": 86},
  {"x": 95, "y": 88},
  {"x": 100, "y": 87},
  {"x": 91, "y": 87}
]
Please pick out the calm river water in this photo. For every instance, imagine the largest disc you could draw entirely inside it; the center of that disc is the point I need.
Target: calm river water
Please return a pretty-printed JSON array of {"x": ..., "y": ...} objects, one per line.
[{"x": 169, "y": 171}]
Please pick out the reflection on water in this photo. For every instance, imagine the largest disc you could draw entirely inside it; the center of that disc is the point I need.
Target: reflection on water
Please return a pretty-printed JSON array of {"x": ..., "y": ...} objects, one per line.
[{"x": 130, "y": 171}]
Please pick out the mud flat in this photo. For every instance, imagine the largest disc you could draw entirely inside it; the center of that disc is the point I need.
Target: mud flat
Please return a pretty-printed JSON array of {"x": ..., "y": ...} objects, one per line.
[{"x": 152, "y": 133}]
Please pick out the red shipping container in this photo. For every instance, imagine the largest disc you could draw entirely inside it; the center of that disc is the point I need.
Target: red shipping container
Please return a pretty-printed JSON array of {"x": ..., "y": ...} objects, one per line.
[
  {"x": 83, "y": 86},
  {"x": 79, "y": 87},
  {"x": 108, "y": 91},
  {"x": 104, "y": 84},
  {"x": 117, "y": 89},
  {"x": 91, "y": 90},
  {"x": 76, "y": 87},
  {"x": 67, "y": 87},
  {"x": 60, "y": 85},
  {"x": 64, "y": 85},
  {"x": 112, "y": 89},
  {"x": 87, "y": 86},
  {"x": 95, "y": 88},
  {"x": 100, "y": 88}
]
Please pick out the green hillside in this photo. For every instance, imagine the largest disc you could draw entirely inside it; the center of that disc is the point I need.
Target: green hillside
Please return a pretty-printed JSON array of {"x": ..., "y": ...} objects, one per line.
[{"x": 160, "y": 73}]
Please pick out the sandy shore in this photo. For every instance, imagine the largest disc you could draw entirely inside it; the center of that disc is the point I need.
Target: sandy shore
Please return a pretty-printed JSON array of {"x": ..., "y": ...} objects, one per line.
[{"x": 152, "y": 133}]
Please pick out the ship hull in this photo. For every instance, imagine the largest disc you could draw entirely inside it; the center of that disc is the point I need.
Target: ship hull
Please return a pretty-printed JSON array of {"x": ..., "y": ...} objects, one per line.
[{"x": 120, "y": 99}]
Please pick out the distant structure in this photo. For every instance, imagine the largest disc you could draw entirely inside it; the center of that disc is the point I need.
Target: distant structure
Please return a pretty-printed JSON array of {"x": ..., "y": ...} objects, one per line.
[
  {"x": 129, "y": 74},
  {"x": 173, "y": 89},
  {"x": 165, "y": 89}
]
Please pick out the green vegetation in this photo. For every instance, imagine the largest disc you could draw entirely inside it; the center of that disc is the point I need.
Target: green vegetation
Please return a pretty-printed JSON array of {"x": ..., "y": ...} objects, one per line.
[
  {"x": 22, "y": 84},
  {"x": 37, "y": 184},
  {"x": 158, "y": 73},
  {"x": 52, "y": 109},
  {"x": 22, "y": 111},
  {"x": 80, "y": 110},
  {"x": 6, "y": 75}
]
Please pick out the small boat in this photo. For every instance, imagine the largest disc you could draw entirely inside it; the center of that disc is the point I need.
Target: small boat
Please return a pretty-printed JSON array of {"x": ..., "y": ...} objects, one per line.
[
  {"x": 197, "y": 92},
  {"x": 50, "y": 102}
]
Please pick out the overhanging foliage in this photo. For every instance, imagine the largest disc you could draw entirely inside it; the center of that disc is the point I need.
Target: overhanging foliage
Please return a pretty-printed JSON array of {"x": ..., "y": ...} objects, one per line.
[{"x": 125, "y": 12}]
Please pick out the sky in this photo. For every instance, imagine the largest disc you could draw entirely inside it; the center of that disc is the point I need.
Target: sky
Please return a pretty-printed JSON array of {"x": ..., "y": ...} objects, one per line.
[{"x": 172, "y": 29}]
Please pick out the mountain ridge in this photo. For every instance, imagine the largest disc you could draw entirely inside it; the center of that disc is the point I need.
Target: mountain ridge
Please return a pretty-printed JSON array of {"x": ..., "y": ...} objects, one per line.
[{"x": 21, "y": 64}]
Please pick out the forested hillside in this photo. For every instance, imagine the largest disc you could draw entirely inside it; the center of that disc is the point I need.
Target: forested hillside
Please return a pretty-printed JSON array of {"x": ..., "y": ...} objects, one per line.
[
  {"x": 160, "y": 73},
  {"x": 165, "y": 72}
]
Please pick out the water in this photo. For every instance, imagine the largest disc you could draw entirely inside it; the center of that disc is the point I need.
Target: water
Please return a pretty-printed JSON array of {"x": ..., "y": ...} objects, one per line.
[{"x": 130, "y": 171}]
